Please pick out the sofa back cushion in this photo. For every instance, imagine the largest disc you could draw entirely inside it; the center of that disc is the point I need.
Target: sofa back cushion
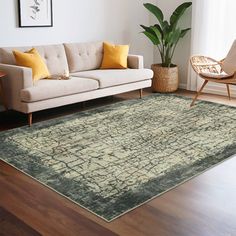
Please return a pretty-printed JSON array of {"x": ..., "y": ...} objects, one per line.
[
  {"x": 53, "y": 55},
  {"x": 84, "y": 56}
]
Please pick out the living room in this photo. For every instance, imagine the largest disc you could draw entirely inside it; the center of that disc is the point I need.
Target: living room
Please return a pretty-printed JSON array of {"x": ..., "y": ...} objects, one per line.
[{"x": 117, "y": 117}]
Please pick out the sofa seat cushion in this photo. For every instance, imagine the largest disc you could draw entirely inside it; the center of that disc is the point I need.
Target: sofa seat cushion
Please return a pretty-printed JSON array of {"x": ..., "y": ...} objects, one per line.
[
  {"x": 109, "y": 78},
  {"x": 47, "y": 89}
]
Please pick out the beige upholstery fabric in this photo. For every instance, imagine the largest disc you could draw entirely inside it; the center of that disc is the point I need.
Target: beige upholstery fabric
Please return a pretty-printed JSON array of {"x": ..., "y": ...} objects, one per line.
[
  {"x": 80, "y": 97},
  {"x": 109, "y": 78},
  {"x": 135, "y": 62},
  {"x": 18, "y": 78},
  {"x": 55, "y": 58},
  {"x": 84, "y": 56},
  {"x": 229, "y": 64},
  {"x": 7, "y": 57},
  {"x": 53, "y": 55},
  {"x": 46, "y": 89}
]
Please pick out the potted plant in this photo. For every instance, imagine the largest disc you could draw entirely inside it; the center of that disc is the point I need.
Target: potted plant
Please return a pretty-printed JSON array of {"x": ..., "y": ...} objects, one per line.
[{"x": 165, "y": 36}]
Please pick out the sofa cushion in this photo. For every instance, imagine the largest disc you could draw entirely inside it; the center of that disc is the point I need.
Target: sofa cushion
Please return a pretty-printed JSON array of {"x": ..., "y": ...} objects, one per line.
[
  {"x": 115, "y": 56},
  {"x": 109, "y": 78},
  {"x": 46, "y": 89},
  {"x": 55, "y": 58},
  {"x": 53, "y": 55},
  {"x": 7, "y": 57},
  {"x": 84, "y": 56},
  {"x": 33, "y": 60}
]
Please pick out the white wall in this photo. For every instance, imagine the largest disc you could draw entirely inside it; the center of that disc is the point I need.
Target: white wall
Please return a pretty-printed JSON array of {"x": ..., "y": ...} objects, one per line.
[
  {"x": 80, "y": 21},
  {"x": 182, "y": 54}
]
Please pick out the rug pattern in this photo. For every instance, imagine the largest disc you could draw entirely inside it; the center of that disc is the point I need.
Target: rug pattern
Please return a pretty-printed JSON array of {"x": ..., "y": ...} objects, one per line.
[{"x": 116, "y": 157}]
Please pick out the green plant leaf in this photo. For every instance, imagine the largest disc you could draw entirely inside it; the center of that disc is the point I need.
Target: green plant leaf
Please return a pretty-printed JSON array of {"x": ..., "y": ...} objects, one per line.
[
  {"x": 175, "y": 36},
  {"x": 160, "y": 29},
  {"x": 155, "y": 11},
  {"x": 152, "y": 37},
  {"x": 184, "y": 32},
  {"x": 177, "y": 14},
  {"x": 157, "y": 32},
  {"x": 146, "y": 28},
  {"x": 166, "y": 32}
]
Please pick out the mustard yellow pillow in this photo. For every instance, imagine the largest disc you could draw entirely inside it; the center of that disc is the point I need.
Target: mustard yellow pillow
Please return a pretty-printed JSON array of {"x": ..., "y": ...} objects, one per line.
[
  {"x": 115, "y": 56},
  {"x": 33, "y": 60}
]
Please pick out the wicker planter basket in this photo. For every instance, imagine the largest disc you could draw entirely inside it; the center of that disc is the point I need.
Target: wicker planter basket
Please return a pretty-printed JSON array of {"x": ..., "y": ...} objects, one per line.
[{"x": 165, "y": 80}]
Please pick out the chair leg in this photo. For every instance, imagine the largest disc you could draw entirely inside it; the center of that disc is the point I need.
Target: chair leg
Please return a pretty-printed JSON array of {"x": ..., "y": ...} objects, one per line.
[
  {"x": 198, "y": 93},
  {"x": 30, "y": 119},
  {"x": 140, "y": 93},
  {"x": 228, "y": 90}
]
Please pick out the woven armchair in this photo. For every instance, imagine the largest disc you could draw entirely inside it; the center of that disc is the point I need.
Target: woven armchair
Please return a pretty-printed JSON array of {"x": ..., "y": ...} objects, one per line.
[{"x": 211, "y": 70}]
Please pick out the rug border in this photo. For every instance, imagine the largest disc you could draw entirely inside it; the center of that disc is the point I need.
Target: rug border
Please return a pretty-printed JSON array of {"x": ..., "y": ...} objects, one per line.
[{"x": 131, "y": 209}]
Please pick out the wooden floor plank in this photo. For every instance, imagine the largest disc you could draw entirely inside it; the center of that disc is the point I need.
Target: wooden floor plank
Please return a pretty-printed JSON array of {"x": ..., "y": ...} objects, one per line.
[{"x": 12, "y": 226}]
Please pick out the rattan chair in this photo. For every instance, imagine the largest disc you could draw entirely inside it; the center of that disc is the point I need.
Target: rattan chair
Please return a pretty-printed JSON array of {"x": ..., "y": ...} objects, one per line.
[{"x": 212, "y": 70}]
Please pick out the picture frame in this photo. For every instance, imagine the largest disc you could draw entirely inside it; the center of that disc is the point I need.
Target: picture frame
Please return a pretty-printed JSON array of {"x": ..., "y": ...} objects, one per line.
[{"x": 35, "y": 13}]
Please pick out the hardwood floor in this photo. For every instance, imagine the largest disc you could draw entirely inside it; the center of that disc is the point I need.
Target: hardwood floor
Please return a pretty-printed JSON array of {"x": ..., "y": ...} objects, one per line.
[
  {"x": 11, "y": 225},
  {"x": 203, "y": 206}
]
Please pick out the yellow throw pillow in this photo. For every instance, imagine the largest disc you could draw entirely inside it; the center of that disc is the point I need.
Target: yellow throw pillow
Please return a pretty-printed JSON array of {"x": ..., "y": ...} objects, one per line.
[
  {"x": 33, "y": 60},
  {"x": 115, "y": 56}
]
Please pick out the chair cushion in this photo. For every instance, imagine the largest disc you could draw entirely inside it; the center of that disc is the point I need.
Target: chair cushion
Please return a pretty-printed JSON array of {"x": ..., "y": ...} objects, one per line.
[
  {"x": 47, "y": 89},
  {"x": 229, "y": 63},
  {"x": 109, "y": 78}
]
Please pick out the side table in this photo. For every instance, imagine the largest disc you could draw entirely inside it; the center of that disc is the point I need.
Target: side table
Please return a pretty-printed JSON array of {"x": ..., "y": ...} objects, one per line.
[{"x": 2, "y": 76}]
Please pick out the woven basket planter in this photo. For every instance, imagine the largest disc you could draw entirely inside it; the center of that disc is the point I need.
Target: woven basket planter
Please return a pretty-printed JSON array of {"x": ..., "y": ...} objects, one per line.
[{"x": 166, "y": 79}]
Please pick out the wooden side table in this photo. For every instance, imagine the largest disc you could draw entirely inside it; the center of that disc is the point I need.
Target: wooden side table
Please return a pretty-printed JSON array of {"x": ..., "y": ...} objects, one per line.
[{"x": 2, "y": 76}]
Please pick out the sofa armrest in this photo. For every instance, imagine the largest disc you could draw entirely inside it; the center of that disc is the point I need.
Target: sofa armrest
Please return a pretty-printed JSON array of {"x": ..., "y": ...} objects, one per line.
[
  {"x": 18, "y": 75},
  {"x": 17, "y": 78},
  {"x": 135, "y": 62}
]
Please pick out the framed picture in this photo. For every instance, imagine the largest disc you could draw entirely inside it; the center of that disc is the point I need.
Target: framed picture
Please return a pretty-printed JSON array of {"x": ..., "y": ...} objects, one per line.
[{"x": 35, "y": 13}]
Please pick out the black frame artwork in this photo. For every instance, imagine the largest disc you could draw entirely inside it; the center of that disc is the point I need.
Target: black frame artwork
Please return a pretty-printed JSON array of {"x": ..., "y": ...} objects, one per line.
[{"x": 35, "y": 13}]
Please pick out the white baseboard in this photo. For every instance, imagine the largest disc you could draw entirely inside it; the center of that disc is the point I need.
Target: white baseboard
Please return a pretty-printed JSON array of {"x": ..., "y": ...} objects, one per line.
[
  {"x": 183, "y": 86},
  {"x": 214, "y": 88},
  {"x": 220, "y": 89}
]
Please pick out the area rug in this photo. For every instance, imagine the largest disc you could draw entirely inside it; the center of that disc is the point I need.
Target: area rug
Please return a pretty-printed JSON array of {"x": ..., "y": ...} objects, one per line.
[{"x": 112, "y": 159}]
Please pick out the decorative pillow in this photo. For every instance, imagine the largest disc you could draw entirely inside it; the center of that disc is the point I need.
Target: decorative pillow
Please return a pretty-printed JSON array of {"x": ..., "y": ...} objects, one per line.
[
  {"x": 115, "y": 56},
  {"x": 33, "y": 60}
]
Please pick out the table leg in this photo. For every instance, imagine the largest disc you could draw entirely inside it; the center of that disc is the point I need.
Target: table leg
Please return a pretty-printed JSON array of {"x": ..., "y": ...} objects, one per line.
[
  {"x": 3, "y": 96},
  {"x": 228, "y": 90},
  {"x": 198, "y": 93}
]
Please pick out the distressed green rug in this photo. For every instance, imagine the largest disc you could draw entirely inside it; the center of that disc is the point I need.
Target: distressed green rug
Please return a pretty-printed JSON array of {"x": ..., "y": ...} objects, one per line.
[{"x": 112, "y": 159}]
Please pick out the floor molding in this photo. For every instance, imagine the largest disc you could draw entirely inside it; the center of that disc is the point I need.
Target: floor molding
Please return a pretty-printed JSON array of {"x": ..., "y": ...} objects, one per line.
[
  {"x": 219, "y": 89},
  {"x": 183, "y": 86}
]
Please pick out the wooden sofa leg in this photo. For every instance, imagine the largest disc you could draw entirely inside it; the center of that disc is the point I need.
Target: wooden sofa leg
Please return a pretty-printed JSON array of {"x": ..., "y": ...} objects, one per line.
[
  {"x": 30, "y": 117},
  {"x": 140, "y": 93}
]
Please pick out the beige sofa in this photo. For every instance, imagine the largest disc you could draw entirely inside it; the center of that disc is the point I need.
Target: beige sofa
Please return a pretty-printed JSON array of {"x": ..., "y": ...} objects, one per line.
[{"x": 87, "y": 82}]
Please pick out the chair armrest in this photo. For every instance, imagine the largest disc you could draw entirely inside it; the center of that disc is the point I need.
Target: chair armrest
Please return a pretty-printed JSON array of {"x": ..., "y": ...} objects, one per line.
[
  {"x": 17, "y": 78},
  {"x": 135, "y": 62},
  {"x": 18, "y": 75}
]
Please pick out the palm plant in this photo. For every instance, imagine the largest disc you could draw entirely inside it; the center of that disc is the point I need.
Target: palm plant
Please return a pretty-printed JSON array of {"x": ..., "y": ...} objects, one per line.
[{"x": 166, "y": 35}]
